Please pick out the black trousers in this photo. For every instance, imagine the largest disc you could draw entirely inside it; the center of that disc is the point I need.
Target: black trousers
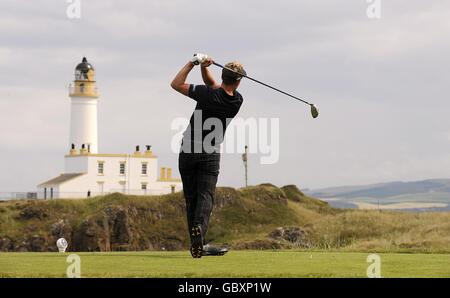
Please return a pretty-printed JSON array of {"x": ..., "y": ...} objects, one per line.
[{"x": 199, "y": 172}]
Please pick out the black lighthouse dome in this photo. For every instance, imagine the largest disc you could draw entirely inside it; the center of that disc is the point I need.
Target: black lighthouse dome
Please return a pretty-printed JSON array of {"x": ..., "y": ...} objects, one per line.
[
  {"x": 84, "y": 66},
  {"x": 84, "y": 71}
]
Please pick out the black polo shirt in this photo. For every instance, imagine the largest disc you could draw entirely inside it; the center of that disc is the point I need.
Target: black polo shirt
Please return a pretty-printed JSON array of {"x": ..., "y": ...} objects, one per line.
[{"x": 213, "y": 112}]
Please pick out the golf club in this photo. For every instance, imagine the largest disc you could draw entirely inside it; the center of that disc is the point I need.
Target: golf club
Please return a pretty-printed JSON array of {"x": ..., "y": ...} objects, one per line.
[{"x": 314, "y": 110}]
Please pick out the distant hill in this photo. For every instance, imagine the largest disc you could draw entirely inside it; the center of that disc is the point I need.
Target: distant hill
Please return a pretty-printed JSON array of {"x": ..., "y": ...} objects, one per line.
[
  {"x": 385, "y": 190},
  {"x": 424, "y": 191}
]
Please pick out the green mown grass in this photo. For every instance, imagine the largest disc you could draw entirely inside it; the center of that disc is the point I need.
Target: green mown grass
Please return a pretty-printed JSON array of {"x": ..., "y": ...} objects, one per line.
[{"x": 235, "y": 264}]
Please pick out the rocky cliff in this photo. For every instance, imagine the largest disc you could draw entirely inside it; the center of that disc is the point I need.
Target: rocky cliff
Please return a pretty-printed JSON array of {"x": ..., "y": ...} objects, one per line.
[
  {"x": 119, "y": 222},
  {"x": 257, "y": 217}
]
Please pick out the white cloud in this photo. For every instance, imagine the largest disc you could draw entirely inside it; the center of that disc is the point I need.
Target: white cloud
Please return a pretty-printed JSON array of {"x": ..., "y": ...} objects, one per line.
[{"x": 381, "y": 85}]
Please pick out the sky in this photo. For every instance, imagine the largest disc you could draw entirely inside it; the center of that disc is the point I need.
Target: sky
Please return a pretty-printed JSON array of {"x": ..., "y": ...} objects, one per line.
[{"x": 381, "y": 85}]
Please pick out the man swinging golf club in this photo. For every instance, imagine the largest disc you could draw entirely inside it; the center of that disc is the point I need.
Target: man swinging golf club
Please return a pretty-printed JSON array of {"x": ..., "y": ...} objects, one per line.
[{"x": 199, "y": 159}]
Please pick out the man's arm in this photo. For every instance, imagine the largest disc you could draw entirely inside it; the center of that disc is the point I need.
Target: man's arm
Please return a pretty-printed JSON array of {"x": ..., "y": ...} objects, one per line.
[
  {"x": 207, "y": 76},
  {"x": 179, "y": 82}
]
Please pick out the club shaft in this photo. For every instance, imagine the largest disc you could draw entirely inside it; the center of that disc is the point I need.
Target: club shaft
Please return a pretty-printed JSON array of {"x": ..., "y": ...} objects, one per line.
[{"x": 264, "y": 84}]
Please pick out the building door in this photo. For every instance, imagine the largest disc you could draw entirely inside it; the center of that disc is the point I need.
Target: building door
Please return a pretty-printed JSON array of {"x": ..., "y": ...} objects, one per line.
[
  {"x": 100, "y": 187},
  {"x": 51, "y": 193},
  {"x": 123, "y": 186}
]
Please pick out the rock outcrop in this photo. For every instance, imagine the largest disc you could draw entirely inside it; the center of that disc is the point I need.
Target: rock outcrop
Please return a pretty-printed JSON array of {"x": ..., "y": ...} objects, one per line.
[{"x": 129, "y": 223}]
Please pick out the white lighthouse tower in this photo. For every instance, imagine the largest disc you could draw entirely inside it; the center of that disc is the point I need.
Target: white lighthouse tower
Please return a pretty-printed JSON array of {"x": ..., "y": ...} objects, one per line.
[{"x": 83, "y": 111}]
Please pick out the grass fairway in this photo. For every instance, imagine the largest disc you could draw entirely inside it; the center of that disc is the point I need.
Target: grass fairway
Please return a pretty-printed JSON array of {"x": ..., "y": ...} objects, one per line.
[{"x": 234, "y": 264}]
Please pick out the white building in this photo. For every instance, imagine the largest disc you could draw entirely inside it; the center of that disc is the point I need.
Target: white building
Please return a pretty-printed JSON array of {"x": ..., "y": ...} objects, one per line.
[{"x": 88, "y": 173}]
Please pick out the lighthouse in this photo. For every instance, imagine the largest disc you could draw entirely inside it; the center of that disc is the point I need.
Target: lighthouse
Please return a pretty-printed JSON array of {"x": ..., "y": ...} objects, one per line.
[
  {"x": 87, "y": 172},
  {"x": 83, "y": 108}
]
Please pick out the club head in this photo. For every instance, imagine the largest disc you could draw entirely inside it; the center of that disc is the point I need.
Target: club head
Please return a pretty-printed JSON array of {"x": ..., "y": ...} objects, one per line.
[{"x": 314, "y": 111}]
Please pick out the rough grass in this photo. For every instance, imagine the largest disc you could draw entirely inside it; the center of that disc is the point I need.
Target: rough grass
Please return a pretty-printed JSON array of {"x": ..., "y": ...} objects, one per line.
[
  {"x": 234, "y": 264},
  {"x": 386, "y": 231}
]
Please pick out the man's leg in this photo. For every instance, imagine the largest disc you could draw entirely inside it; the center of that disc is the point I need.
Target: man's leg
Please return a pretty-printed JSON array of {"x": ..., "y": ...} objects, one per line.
[
  {"x": 207, "y": 174},
  {"x": 187, "y": 168}
]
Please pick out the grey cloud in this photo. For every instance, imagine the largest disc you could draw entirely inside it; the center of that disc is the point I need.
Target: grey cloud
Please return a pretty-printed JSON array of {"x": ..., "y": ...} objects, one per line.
[{"x": 381, "y": 85}]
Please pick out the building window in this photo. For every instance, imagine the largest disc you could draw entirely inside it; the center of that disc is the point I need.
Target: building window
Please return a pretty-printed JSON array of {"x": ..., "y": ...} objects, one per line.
[
  {"x": 122, "y": 168},
  {"x": 144, "y": 168},
  {"x": 100, "y": 167},
  {"x": 144, "y": 186}
]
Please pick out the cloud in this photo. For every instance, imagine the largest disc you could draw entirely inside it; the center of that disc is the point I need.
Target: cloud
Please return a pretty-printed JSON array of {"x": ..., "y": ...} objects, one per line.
[{"x": 381, "y": 85}]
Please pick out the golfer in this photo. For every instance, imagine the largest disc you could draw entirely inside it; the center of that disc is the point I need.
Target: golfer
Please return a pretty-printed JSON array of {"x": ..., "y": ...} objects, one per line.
[{"x": 199, "y": 159}]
